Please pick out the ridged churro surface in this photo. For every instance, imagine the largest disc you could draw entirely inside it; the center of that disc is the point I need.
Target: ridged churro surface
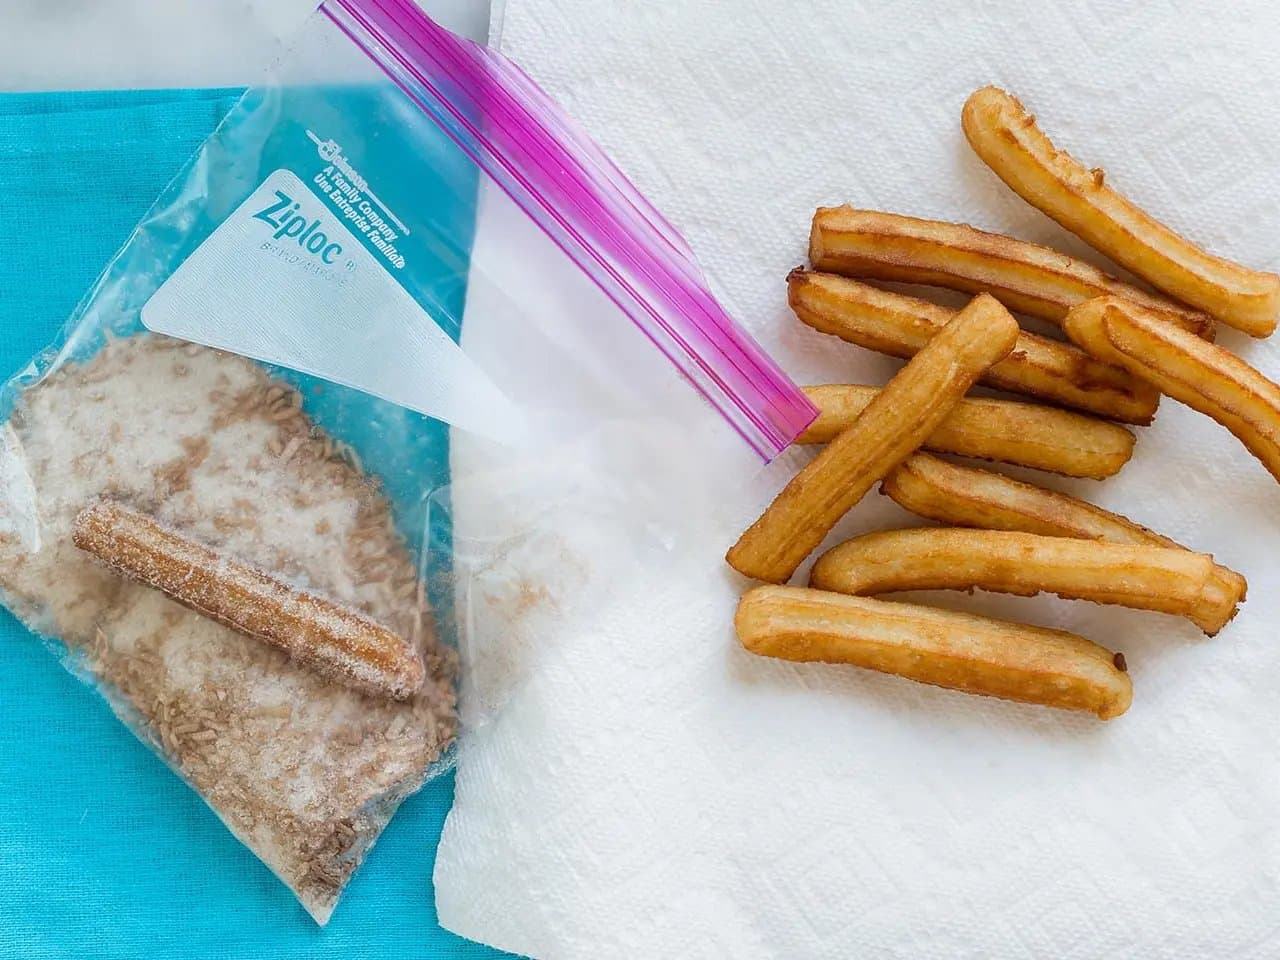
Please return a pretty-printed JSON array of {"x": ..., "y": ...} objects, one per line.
[
  {"x": 1027, "y": 434},
  {"x": 1035, "y": 280},
  {"x": 1142, "y": 576},
  {"x": 1204, "y": 376},
  {"x": 900, "y": 326},
  {"x": 324, "y": 636},
  {"x": 1006, "y": 137},
  {"x": 969, "y": 497},
  {"x": 892, "y": 426},
  {"x": 940, "y": 647}
]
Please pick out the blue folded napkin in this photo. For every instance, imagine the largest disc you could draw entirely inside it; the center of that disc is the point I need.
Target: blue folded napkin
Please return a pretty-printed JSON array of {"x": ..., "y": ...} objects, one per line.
[{"x": 104, "y": 853}]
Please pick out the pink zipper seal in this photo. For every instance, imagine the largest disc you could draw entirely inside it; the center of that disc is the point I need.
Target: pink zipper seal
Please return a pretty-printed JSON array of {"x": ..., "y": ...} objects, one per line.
[{"x": 562, "y": 180}]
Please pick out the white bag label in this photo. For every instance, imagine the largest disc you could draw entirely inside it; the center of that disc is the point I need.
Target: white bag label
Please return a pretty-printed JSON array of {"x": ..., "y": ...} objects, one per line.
[{"x": 282, "y": 280}]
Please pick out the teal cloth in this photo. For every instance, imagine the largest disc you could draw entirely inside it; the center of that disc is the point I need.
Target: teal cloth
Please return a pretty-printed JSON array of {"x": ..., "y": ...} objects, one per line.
[{"x": 104, "y": 853}]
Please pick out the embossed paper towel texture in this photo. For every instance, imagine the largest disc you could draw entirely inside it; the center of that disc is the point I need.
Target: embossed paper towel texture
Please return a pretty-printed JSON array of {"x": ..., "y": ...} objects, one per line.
[{"x": 655, "y": 792}]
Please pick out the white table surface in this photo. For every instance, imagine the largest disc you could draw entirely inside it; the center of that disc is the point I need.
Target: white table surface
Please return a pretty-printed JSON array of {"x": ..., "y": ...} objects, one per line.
[{"x": 100, "y": 44}]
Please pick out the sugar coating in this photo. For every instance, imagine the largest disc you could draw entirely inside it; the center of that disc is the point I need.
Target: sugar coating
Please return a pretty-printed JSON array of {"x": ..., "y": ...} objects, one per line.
[
  {"x": 327, "y": 637},
  {"x": 305, "y": 771}
]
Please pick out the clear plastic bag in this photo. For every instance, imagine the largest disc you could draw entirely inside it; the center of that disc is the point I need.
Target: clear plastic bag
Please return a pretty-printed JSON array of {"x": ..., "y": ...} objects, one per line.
[{"x": 397, "y": 333}]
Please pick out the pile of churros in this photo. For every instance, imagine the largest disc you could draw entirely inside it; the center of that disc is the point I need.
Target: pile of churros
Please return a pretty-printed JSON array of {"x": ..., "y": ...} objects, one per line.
[{"x": 1127, "y": 346}]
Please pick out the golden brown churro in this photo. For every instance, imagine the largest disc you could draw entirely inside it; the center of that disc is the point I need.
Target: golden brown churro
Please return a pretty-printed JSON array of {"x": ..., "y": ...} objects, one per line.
[
  {"x": 940, "y": 647},
  {"x": 1027, "y": 434},
  {"x": 1165, "y": 579},
  {"x": 969, "y": 497},
  {"x": 1007, "y": 139},
  {"x": 892, "y": 426},
  {"x": 1202, "y": 375},
  {"x": 900, "y": 325},
  {"x": 1023, "y": 276},
  {"x": 324, "y": 636}
]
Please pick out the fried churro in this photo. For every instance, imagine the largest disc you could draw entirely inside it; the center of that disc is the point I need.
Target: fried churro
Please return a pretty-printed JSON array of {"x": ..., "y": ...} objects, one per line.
[
  {"x": 891, "y": 427},
  {"x": 1032, "y": 279},
  {"x": 900, "y": 326},
  {"x": 322, "y": 635},
  {"x": 1202, "y": 375},
  {"x": 940, "y": 647},
  {"x": 1007, "y": 139},
  {"x": 969, "y": 497},
  {"x": 1027, "y": 434},
  {"x": 1143, "y": 577}
]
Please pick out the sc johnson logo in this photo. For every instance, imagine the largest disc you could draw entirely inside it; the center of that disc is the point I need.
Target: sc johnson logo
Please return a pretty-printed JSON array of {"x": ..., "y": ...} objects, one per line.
[{"x": 289, "y": 224}]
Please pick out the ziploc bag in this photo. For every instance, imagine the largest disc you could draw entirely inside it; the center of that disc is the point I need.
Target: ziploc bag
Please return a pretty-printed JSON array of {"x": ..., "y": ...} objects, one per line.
[{"x": 395, "y": 295}]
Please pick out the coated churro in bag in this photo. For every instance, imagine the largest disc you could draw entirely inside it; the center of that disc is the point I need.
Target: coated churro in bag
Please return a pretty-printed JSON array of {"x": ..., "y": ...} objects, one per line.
[{"x": 395, "y": 331}]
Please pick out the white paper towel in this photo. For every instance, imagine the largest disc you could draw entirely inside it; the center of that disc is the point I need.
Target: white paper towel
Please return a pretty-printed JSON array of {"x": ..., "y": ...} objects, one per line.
[{"x": 653, "y": 791}]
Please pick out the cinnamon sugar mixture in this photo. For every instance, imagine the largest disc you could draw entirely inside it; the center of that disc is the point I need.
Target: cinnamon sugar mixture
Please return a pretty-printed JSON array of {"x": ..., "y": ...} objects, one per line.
[{"x": 304, "y": 771}]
